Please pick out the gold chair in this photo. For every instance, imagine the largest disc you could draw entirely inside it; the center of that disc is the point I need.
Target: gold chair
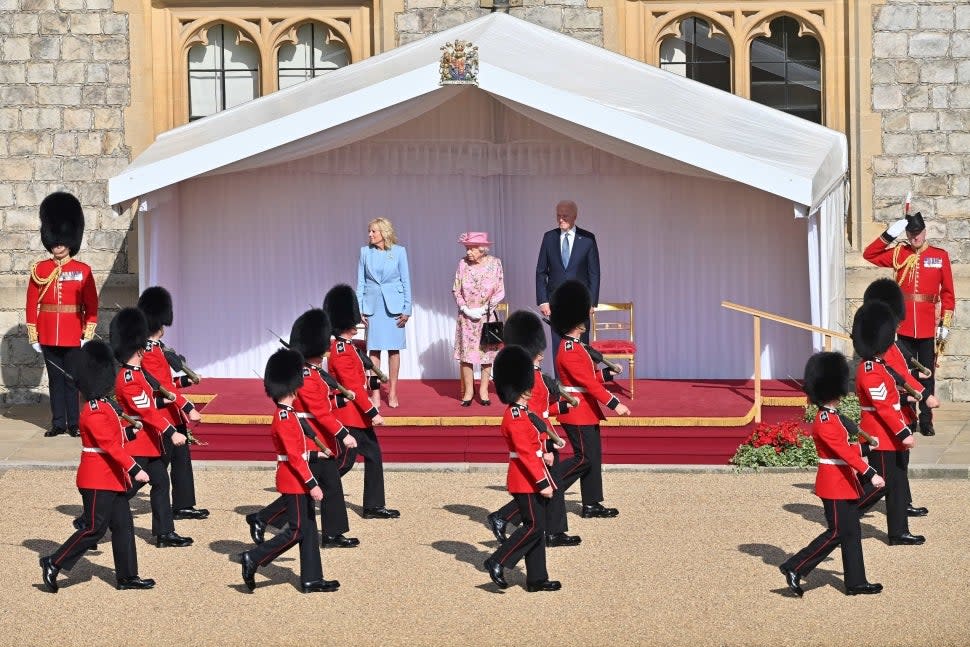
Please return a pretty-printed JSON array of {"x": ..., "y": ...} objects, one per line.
[{"x": 619, "y": 331}]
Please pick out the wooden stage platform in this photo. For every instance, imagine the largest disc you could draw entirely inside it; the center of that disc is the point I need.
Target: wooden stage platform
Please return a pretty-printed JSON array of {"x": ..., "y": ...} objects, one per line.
[{"x": 671, "y": 422}]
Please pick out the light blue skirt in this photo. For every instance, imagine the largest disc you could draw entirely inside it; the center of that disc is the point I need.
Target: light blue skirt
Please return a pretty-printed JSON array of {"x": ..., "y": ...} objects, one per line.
[{"x": 382, "y": 331}]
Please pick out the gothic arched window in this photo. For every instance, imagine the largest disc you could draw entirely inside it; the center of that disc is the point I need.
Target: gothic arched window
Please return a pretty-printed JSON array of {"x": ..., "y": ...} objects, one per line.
[
  {"x": 223, "y": 73},
  {"x": 316, "y": 52},
  {"x": 786, "y": 70},
  {"x": 698, "y": 55}
]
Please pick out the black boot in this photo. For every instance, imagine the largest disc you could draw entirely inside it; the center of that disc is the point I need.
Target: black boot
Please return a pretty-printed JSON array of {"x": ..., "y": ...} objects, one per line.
[{"x": 49, "y": 573}]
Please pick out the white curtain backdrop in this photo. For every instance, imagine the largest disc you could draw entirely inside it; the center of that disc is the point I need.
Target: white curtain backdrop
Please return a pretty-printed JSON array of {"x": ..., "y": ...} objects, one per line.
[
  {"x": 248, "y": 251},
  {"x": 826, "y": 255}
]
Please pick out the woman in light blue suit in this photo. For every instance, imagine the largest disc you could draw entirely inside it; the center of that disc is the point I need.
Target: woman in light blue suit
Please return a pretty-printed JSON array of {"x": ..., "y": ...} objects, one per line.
[{"x": 384, "y": 293}]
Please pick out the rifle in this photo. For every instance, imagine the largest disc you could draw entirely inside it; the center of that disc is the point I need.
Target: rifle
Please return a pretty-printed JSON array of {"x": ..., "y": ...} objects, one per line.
[
  {"x": 114, "y": 405},
  {"x": 555, "y": 386},
  {"x": 369, "y": 364},
  {"x": 307, "y": 430},
  {"x": 541, "y": 426},
  {"x": 177, "y": 362},
  {"x": 594, "y": 354},
  {"x": 902, "y": 384},
  {"x": 190, "y": 438},
  {"x": 330, "y": 380}
]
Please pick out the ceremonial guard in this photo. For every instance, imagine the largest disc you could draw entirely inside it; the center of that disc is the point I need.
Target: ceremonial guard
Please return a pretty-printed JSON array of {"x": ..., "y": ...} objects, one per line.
[
  {"x": 523, "y": 328},
  {"x": 570, "y": 305},
  {"x": 529, "y": 481},
  {"x": 837, "y": 483},
  {"x": 103, "y": 476},
  {"x": 310, "y": 336},
  {"x": 873, "y": 332},
  {"x": 282, "y": 379},
  {"x": 898, "y": 364},
  {"x": 924, "y": 275},
  {"x": 62, "y": 304},
  {"x": 156, "y": 304},
  {"x": 360, "y": 415},
  {"x": 138, "y": 398}
]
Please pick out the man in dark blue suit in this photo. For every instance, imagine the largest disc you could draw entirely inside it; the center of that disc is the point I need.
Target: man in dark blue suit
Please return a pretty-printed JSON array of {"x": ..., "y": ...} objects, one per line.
[{"x": 567, "y": 252}]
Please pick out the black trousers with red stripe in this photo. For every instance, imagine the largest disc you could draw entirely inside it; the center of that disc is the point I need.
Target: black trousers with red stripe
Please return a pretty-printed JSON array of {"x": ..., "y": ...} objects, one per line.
[
  {"x": 370, "y": 449},
  {"x": 529, "y": 540},
  {"x": 556, "y": 516},
  {"x": 586, "y": 463},
  {"x": 302, "y": 529},
  {"x": 924, "y": 350},
  {"x": 157, "y": 468},
  {"x": 333, "y": 508},
  {"x": 65, "y": 405},
  {"x": 183, "y": 480},
  {"x": 103, "y": 510},
  {"x": 842, "y": 516},
  {"x": 892, "y": 467}
]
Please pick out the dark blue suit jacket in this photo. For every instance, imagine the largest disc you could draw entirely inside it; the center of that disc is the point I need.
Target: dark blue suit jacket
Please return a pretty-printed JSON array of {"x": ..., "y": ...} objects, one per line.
[{"x": 584, "y": 265}]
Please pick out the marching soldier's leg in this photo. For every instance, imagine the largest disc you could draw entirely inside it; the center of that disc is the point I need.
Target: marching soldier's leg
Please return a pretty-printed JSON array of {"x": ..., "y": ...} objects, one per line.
[
  {"x": 851, "y": 543},
  {"x": 183, "y": 481},
  {"x": 347, "y": 457},
  {"x": 535, "y": 557},
  {"x": 333, "y": 508},
  {"x": 311, "y": 568},
  {"x": 374, "y": 501},
  {"x": 926, "y": 354},
  {"x": 591, "y": 484},
  {"x": 896, "y": 485},
  {"x": 123, "y": 538},
  {"x": 162, "y": 520},
  {"x": 557, "y": 505},
  {"x": 805, "y": 560},
  {"x": 530, "y": 532},
  {"x": 578, "y": 465},
  {"x": 97, "y": 512},
  {"x": 267, "y": 551}
]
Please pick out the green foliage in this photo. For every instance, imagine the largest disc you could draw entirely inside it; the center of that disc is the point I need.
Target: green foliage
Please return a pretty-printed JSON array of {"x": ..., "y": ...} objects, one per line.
[{"x": 848, "y": 408}]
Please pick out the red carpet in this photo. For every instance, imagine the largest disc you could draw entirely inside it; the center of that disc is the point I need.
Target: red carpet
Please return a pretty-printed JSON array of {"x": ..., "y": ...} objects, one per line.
[{"x": 671, "y": 422}]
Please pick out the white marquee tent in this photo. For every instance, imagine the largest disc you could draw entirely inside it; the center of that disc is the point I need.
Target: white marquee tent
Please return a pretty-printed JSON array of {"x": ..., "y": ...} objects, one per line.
[{"x": 250, "y": 215}]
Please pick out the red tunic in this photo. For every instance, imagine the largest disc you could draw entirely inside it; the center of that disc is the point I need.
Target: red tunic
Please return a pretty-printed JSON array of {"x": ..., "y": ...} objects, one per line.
[
  {"x": 138, "y": 400},
  {"x": 293, "y": 475},
  {"x": 580, "y": 377},
  {"x": 895, "y": 360},
  {"x": 528, "y": 474},
  {"x": 879, "y": 400},
  {"x": 313, "y": 400},
  {"x": 65, "y": 310},
  {"x": 839, "y": 460},
  {"x": 347, "y": 368},
  {"x": 105, "y": 461},
  {"x": 539, "y": 402},
  {"x": 158, "y": 367},
  {"x": 929, "y": 281}
]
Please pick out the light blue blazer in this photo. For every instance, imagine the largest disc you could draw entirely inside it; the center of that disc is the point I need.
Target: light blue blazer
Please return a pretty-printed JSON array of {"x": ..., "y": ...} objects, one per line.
[{"x": 384, "y": 275}]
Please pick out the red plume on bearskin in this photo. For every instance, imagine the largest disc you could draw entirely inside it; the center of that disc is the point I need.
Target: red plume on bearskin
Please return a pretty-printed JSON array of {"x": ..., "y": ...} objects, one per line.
[
  {"x": 284, "y": 373},
  {"x": 156, "y": 303},
  {"x": 514, "y": 373},
  {"x": 61, "y": 222},
  {"x": 826, "y": 377}
]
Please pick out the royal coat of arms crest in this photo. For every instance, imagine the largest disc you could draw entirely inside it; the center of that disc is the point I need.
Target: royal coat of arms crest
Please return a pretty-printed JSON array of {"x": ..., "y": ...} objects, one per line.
[{"x": 459, "y": 63}]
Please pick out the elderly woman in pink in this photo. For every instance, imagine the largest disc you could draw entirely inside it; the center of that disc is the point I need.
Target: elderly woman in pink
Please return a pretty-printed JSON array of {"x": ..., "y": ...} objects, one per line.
[{"x": 479, "y": 287}]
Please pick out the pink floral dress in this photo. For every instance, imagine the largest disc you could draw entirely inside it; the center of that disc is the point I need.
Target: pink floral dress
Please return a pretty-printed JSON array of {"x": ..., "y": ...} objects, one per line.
[{"x": 476, "y": 285}]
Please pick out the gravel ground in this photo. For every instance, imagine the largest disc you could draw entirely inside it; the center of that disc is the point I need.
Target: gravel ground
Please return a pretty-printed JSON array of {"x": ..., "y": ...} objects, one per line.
[{"x": 691, "y": 560}]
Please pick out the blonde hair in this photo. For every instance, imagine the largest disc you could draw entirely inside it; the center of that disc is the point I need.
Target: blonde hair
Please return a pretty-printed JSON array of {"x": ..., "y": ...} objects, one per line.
[{"x": 384, "y": 226}]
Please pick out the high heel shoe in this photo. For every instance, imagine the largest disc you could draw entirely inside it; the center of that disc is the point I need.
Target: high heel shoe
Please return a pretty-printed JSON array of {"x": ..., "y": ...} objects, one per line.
[
  {"x": 486, "y": 402},
  {"x": 466, "y": 403}
]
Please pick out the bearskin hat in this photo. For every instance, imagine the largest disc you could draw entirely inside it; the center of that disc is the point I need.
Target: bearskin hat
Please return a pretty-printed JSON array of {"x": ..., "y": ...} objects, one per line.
[
  {"x": 284, "y": 373},
  {"x": 94, "y": 369},
  {"x": 570, "y": 304},
  {"x": 341, "y": 306},
  {"x": 524, "y": 329},
  {"x": 513, "y": 372},
  {"x": 826, "y": 377},
  {"x": 128, "y": 332},
  {"x": 914, "y": 223},
  {"x": 310, "y": 335},
  {"x": 61, "y": 222},
  {"x": 887, "y": 291},
  {"x": 873, "y": 329},
  {"x": 156, "y": 303}
]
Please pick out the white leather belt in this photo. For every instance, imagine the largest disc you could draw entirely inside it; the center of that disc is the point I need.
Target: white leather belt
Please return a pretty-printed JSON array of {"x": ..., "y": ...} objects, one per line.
[
  {"x": 895, "y": 406},
  {"x": 575, "y": 389},
  {"x": 134, "y": 417},
  {"x": 283, "y": 458},
  {"x": 308, "y": 416},
  {"x": 545, "y": 414},
  {"x": 92, "y": 450},
  {"x": 831, "y": 461},
  {"x": 516, "y": 454}
]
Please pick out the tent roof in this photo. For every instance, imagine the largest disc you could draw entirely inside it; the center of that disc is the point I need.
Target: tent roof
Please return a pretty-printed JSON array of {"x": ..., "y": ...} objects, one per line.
[{"x": 636, "y": 110}]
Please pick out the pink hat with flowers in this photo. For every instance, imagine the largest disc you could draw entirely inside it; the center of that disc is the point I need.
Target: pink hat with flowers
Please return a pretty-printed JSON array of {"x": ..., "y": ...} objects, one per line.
[{"x": 474, "y": 239}]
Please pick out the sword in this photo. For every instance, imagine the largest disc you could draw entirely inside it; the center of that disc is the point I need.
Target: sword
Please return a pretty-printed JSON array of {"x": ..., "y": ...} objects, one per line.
[{"x": 329, "y": 379}]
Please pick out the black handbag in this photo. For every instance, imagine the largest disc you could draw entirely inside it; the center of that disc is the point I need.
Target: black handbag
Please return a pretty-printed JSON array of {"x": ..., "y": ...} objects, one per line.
[{"x": 491, "y": 332}]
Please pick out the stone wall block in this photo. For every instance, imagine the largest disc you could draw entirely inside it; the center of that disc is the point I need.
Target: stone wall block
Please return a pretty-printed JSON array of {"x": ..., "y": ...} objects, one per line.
[
  {"x": 6, "y": 265},
  {"x": 916, "y": 97},
  {"x": 109, "y": 167},
  {"x": 59, "y": 95},
  {"x": 423, "y": 4},
  {"x": 40, "y": 72},
  {"x": 65, "y": 144},
  {"x": 54, "y": 22},
  {"x": 96, "y": 73},
  {"x": 25, "y": 143},
  {"x": 24, "y": 23},
  {"x": 104, "y": 5},
  {"x": 9, "y": 118},
  {"x": 74, "y": 48},
  {"x": 118, "y": 73},
  {"x": 107, "y": 118},
  {"x": 90, "y": 143},
  {"x": 923, "y": 121},
  {"x": 951, "y": 207},
  {"x": 453, "y": 17},
  {"x": 110, "y": 48},
  {"x": 896, "y": 18},
  {"x": 44, "y": 169},
  {"x": 9, "y": 5},
  {"x": 16, "y": 49},
  {"x": 929, "y": 186},
  {"x": 22, "y": 240},
  {"x": 961, "y": 45},
  {"x": 71, "y": 5},
  {"x": 544, "y": 16},
  {"x": 97, "y": 193},
  {"x": 38, "y": 5},
  {"x": 18, "y": 95},
  {"x": 889, "y": 45},
  {"x": 887, "y": 97},
  {"x": 962, "y": 16},
  {"x": 883, "y": 73},
  {"x": 892, "y": 186},
  {"x": 960, "y": 97},
  {"x": 45, "y": 48},
  {"x": 936, "y": 17},
  {"x": 78, "y": 169},
  {"x": 6, "y": 197},
  {"x": 32, "y": 194},
  {"x": 944, "y": 71},
  {"x": 931, "y": 143},
  {"x": 78, "y": 118},
  {"x": 407, "y": 22},
  {"x": 111, "y": 240},
  {"x": 960, "y": 185},
  {"x": 117, "y": 95},
  {"x": 591, "y": 36},
  {"x": 93, "y": 95},
  {"x": 958, "y": 229},
  {"x": 883, "y": 165},
  {"x": 940, "y": 98},
  {"x": 40, "y": 118},
  {"x": 898, "y": 144},
  {"x": 582, "y": 18},
  {"x": 907, "y": 71},
  {"x": 86, "y": 23},
  {"x": 911, "y": 164},
  {"x": 928, "y": 45},
  {"x": 20, "y": 219},
  {"x": 70, "y": 72},
  {"x": 11, "y": 73},
  {"x": 945, "y": 164}
]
